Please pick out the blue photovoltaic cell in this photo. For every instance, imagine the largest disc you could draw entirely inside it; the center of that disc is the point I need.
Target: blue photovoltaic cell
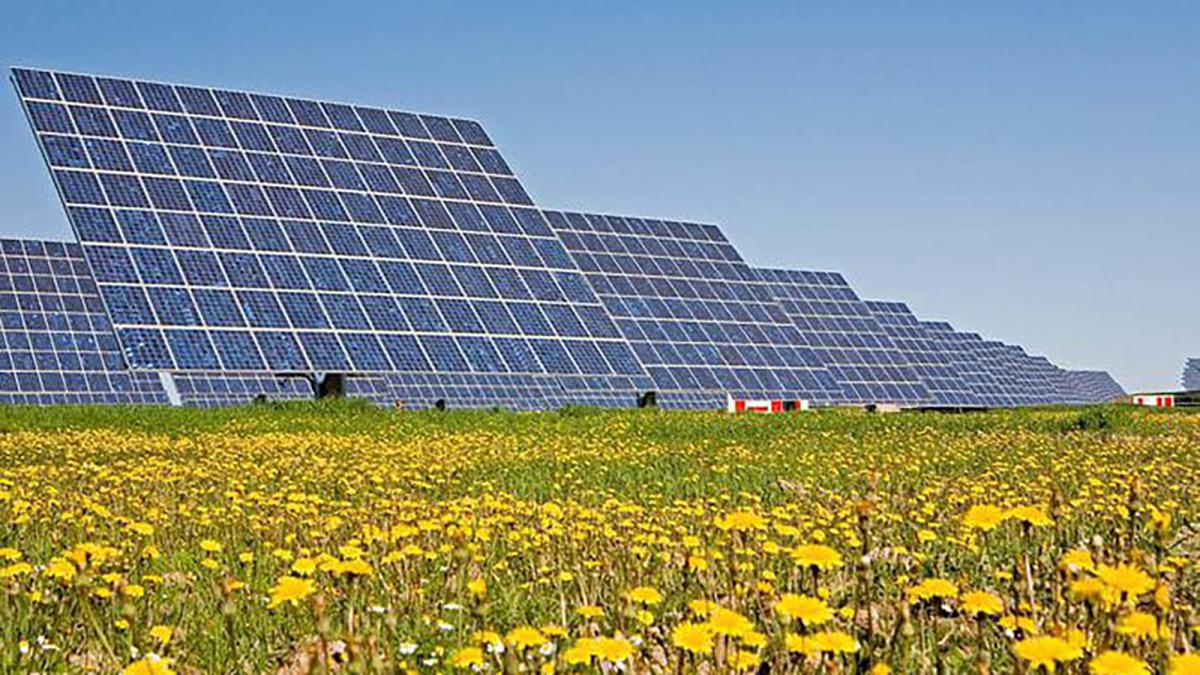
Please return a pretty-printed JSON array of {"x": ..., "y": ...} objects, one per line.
[
  {"x": 1191, "y": 375},
  {"x": 928, "y": 355},
  {"x": 844, "y": 335},
  {"x": 56, "y": 343},
  {"x": 323, "y": 214},
  {"x": 698, "y": 317}
]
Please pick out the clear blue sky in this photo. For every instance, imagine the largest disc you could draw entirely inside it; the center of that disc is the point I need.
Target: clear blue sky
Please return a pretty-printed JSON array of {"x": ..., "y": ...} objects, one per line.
[{"x": 1027, "y": 170}]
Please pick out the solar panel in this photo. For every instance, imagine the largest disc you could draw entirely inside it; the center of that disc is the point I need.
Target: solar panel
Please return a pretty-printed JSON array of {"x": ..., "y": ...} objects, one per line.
[
  {"x": 1033, "y": 383},
  {"x": 977, "y": 368},
  {"x": 699, "y": 318},
  {"x": 846, "y": 337},
  {"x": 1093, "y": 386},
  {"x": 931, "y": 357},
  {"x": 56, "y": 344},
  {"x": 255, "y": 233},
  {"x": 1191, "y": 375}
]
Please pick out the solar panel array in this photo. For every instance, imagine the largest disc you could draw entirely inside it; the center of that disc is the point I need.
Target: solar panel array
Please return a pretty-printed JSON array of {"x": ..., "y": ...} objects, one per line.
[
  {"x": 927, "y": 354},
  {"x": 1191, "y": 375},
  {"x": 235, "y": 246},
  {"x": 56, "y": 344},
  {"x": 696, "y": 314},
  {"x": 847, "y": 338},
  {"x": 246, "y": 232}
]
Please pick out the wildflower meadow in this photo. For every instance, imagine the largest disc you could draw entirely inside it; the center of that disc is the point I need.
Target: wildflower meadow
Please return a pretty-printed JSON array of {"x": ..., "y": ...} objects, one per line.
[{"x": 344, "y": 538}]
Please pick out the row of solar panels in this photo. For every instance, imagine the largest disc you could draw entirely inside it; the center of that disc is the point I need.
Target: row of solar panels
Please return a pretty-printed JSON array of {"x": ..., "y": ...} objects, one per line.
[
  {"x": 225, "y": 237},
  {"x": 1191, "y": 375},
  {"x": 58, "y": 346}
]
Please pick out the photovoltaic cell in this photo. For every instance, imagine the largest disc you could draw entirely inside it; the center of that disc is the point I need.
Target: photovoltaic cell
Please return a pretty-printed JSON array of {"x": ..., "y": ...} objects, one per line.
[
  {"x": 251, "y": 232},
  {"x": 846, "y": 337},
  {"x": 703, "y": 323},
  {"x": 931, "y": 357},
  {"x": 56, "y": 343}
]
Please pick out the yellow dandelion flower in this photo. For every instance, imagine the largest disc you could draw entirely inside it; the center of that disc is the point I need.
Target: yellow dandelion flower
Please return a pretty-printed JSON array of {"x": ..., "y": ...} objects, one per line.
[
  {"x": 291, "y": 590},
  {"x": 1046, "y": 652},
  {"x": 1125, "y": 579},
  {"x": 1078, "y": 560},
  {"x": 151, "y": 664},
  {"x": 467, "y": 657},
  {"x": 525, "y": 637},
  {"x": 1117, "y": 663},
  {"x": 1030, "y": 515},
  {"x": 162, "y": 633},
  {"x": 15, "y": 570},
  {"x": 982, "y": 603},
  {"x": 728, "y": 622},
  {"x": 645, "y": 595},
  {"x": 590, "y": 611},
  {"x": 742, "y": 521},
  {"x": 797, "y": 644},
  {"x": 933, "y": 588},
  {"x": 1184, "y": 664},
  {"x": 742, "y": 661},
  {"x": 477, "y": 587},
  {"x": 581, "y": 652},
  {"x": 811, "y": 611},
  {"x": 1022, "y": 623},
  {"x": 1139, "y": 626},
  {"x": 985, "y": 517},
  {"x": 695, "y": 638},
  {"x": 816, "y": 555},
  {"x": 614, "y": 649},
  {"x": 833, "y": 642}
]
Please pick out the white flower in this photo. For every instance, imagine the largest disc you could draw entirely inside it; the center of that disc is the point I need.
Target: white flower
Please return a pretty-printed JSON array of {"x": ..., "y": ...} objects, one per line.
[
  {"x": 445, "y": 627},
  {"x": 407, "y": 648}
]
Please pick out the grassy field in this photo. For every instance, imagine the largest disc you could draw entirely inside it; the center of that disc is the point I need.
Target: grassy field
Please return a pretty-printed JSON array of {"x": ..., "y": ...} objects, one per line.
[{"x": 319, "y": 538}]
